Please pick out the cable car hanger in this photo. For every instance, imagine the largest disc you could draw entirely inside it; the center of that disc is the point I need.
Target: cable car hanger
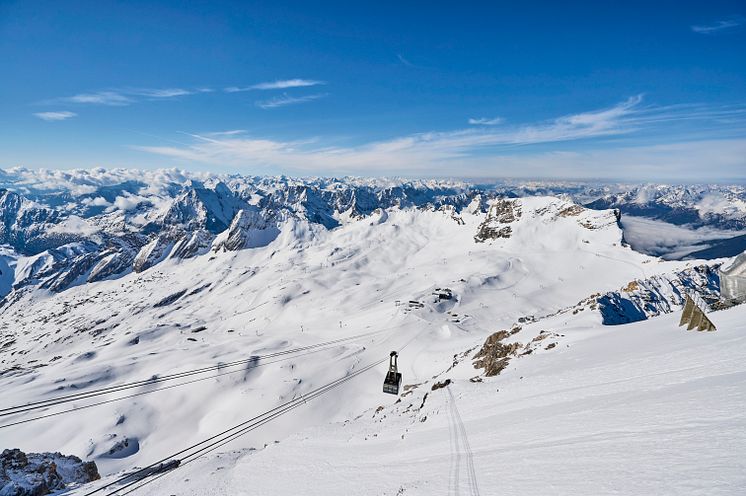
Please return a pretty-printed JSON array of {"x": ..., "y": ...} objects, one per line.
[{"x": 392, "y": 382}]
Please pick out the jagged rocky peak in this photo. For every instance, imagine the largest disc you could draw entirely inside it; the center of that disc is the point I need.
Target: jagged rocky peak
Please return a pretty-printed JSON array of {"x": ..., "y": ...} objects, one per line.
[
  {"x": 156, "y": 250},
  {"x": 501, "y": 213},
  {"x": 203, "y": 207},
  {"x": 38, "y": 474},
  {"x": 306, "y": 202},
  {"x": 249, "y": 229},
  {"x": 26, "y": 225}
]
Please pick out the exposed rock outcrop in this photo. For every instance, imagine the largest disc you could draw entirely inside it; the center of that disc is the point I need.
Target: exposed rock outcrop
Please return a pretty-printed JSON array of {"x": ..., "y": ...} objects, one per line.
[
  {"x": 37, "y": 474},
  {"x": 495, "y": 354},
  {"x": 501, "y": 213},
  {"x": 659, "y": 294}
]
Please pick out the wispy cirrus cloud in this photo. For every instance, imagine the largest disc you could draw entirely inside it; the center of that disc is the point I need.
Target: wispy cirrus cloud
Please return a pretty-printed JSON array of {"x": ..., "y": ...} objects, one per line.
[
  {"x": 162, "y": 93},
  {"x": 55, "y": 116},
  {"x": 285, "y": 100},
  {"x": 276, "y": 85},
  {"x": 719, "y": 26},
  {"x": 490, "y": 150},
  {"x": 110, "y": 98},
  {"x": 403, "y": 60},
  {"x": 230, "y": 132},
  {"x": 484, "y": 121},
  {"x": 125, "y": 96}
]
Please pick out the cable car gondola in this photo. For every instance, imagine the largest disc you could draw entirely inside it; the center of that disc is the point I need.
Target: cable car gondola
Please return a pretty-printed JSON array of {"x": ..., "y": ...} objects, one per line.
[{"x": 392, "y": 382}]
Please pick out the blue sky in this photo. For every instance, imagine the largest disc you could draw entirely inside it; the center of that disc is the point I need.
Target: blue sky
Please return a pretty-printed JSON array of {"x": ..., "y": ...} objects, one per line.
[{"x": 627, "y": 90}]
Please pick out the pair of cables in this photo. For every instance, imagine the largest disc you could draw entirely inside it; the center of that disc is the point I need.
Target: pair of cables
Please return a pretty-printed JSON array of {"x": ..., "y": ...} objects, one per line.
[
  {"x": 179, "y": 459},
  {"x": 251, "y": 362},
  {"x": 149, "y": 474}
]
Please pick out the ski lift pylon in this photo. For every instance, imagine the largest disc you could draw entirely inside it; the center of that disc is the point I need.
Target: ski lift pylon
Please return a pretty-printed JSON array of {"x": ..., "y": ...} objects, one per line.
[{"x": 392, "y": 383}]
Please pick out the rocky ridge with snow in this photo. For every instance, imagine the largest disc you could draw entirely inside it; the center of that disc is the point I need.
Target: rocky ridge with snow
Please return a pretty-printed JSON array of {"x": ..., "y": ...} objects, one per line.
[{"x": 663, "y": 293}]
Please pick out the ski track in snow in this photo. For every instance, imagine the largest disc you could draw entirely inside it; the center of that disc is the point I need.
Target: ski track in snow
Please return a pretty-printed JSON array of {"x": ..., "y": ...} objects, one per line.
[
  {"x": 461, "y": 439},
  {"x": 455, "y": 453}
]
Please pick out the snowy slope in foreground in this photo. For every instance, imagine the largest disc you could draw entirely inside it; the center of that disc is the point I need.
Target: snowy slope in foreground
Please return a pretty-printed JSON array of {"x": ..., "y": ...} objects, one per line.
[
  {"x": 528, "y": 257},
  {"x": 647, "y": 409}
]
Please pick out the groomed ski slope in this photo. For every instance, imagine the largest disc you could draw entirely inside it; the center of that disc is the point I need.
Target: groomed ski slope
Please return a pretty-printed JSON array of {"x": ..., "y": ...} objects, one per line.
[
  {"x": 644, "y": 408},
  {"x": 310, "y": 285}
]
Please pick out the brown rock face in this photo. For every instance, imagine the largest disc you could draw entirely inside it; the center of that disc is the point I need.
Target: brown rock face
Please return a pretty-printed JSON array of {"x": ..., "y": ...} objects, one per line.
[
  {"x": 571, "y": 211},
  {"x": 632, "y": 286},
  {"x": 500, "y": 213},
  {"x": 495, "y": 355}
]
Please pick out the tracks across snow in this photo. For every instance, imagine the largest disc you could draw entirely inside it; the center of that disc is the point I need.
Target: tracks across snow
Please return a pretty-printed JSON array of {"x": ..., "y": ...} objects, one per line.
[{"x": 459, "y": 441}]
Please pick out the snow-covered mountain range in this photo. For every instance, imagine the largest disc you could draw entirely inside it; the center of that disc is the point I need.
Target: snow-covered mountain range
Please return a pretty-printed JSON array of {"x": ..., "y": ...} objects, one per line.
[
  {"x": 62, "y": 228},
  {"x": 497, "y": 298}
]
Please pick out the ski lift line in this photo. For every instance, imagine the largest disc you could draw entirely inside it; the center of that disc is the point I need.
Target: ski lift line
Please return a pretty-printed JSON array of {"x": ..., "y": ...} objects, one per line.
[
  {"x": 255, "y": 423},
  {"x": 124, "y": 387},
  {"x": 141, "y": 393},
  {"x": 83, "y": 407},
  {"x": 194, "y": 456},
  {"x": 178, "y": 375},
  {"x": 243, "y": 427},
  {"x": 213, "y": 446},
  {"x": 203, "y": 451}
]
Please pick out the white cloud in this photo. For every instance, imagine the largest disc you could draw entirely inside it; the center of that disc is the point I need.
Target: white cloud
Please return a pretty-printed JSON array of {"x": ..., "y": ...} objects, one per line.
[
  {"x": 99, "y": 201},
  {"x": 111, "y": 98},
  {"x": 126, "y": 96},
  {"x": 55, "y": 116},
  {"x": 128, "y": 202},
  {"x": 669, "y": 240},
  {"x": 484, "y": 121},
  {"x": 74, "y": 225},
  {"x": 161, "y": 93},
  {"x": 88, "y": 181},
  {"x": 494, "y": 152},
  {"x": 276, "y": 85},
  {"x": 231, "y": 132},
  {"x": 719, "y": 26},
  {"x": 702, "y": 160},
  {"x": 284, "y": 100}
]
